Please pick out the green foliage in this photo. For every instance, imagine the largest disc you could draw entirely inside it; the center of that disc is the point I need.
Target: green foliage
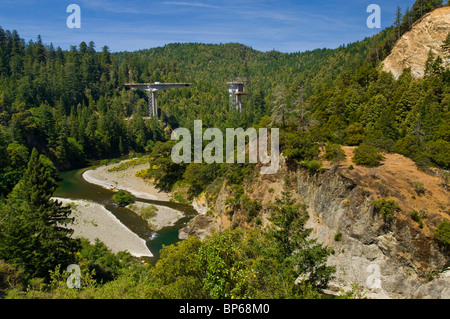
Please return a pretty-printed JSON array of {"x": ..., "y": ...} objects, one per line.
[
  {"x": 409, "y": 146},
  {"x": 386, "y": 208},
  {"x": 178, "y": 273},
  {"x": 162, "y": 169},
  {"x": 250, "y": 207},
  {"x": 235, "y": 174},
  {"x": 101, "y": 262},
  {"x": 231, "y": 264},
  {"x": 127, "y": 164},
  {"x": 338, "y": 236},
  {"x": 149, "y": 211},
  {"x": 10, "y": 278},
  {"x": 355, "y": 293},
  {"x": 424, "y": 154},
  {"x": 33, "y": 235},
  {"x": 313, "y": 166},
  {"x": 367, "y": 155},
  {"x": 72, "y": 106},
  {"x": 419, "y": 188},
  {"x": 198, "y": 176},
  {"x": 307, "y": 258},
  {"x": 439, "y": 153},
  {"x": 123, "y": 198},
  {"x": 15, "y": 159},
  {"x": 442, "y": 233},
  {"x": 298, "y": 146},
  {"x": 416, "y": 217},
  {"x": 226, "y": 272}
]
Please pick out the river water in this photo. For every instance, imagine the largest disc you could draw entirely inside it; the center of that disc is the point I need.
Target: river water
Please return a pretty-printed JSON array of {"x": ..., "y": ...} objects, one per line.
[{"x": 73, "y": 186}]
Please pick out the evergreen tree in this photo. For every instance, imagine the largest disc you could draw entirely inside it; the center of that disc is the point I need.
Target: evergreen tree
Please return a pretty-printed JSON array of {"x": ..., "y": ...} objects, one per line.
[
  {"x": 33, "y": 233},
  {"x": 398, "y": 21},
  {"x": 281, "y": 110},
  {"x": 446, "y": 45},
  {"x": 306, "y": 257}
]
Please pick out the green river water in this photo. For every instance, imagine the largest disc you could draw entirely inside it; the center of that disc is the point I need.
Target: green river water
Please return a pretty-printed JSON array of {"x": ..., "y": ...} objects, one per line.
[{"x": 73, "y": 186}]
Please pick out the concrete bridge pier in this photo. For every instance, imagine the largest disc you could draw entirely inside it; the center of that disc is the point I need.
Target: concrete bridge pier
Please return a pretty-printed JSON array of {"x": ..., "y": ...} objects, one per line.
[{"x": 152, "y": 89}]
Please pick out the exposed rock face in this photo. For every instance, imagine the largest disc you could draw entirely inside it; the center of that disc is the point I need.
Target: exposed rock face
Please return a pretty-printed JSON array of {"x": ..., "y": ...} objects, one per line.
[
  {"x": 411, "y": 50},
  {"x": 387, "y": 260},
  {"x": 201, "y": 227}
]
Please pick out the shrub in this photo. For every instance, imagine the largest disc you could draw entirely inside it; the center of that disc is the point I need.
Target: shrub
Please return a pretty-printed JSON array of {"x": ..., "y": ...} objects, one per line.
[
  {"x": 10, "y": 277},
  {"x": 355, "y": 134},
  {"x": 251, "y": 207},
  {"x": 199, "y": 176},
  {"x": 409, "y": 146},
  {"x": 439, "y": 153},
  {"x": 298, "y": 146},
  {"x": 104, "y": 162},
  {"x": 416, "y": 217},
  {"x": 338, "y": 236},
  {"x": 143, "y": 173},
  {"x": 149, "y": 211},
  {"x": 419, "y": 188},
  {"x": 312, "y": 166},
  {"x": 127, "y": 164},
  {"x": 123, "y": 198},
  {"x": 442, "y": 233},
  {"x": 367, "y": 155},
  {"x": 386, "y": 208},
  {"x": 383, "y": 190}
]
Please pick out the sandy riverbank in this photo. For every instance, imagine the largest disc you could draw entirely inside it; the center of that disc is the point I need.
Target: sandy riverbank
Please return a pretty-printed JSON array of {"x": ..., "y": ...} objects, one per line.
[
  {"x": 125, "y": 180},
  {"x": 94, "y": 221}
]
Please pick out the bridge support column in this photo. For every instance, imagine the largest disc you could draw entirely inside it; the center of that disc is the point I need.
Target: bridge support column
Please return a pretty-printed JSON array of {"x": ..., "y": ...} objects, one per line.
[
  {"x": 152, "y": 88},
  {"x": 153, "y": 103}
]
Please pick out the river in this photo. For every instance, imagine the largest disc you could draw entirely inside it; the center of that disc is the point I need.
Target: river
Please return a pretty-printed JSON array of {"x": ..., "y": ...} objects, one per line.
[{"x": 73, "y": 186}]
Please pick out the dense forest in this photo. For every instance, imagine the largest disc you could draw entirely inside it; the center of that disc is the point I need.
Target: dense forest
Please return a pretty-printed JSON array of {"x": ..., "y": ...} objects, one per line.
[{"x": 59, "y": 109}]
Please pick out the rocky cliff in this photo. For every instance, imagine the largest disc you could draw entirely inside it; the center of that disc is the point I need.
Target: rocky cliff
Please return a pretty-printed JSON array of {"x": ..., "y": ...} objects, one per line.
[
  {"x": 411, "y": 50},
  {"x": 386, "y": 261}
]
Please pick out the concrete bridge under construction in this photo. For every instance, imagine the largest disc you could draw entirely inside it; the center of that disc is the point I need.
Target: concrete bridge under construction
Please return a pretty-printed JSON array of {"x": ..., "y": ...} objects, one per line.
[{"x": 152, "y": 89}]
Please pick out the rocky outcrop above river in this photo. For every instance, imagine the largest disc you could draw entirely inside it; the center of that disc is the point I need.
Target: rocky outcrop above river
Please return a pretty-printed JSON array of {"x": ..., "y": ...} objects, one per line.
[
  {"x": 386, "y": 261},
  {"x": 201, "y": 226},
  {"x": 395, "y": 259}
]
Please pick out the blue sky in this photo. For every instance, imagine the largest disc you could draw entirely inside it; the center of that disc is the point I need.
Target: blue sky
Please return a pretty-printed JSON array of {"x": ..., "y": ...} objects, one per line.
[{"x": 283, "y": 25}]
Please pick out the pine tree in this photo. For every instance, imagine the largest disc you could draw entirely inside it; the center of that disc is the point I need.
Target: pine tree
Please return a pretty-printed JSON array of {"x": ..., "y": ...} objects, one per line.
[
  {"x": 281, "y": 109},
  {"x": 33, "y": 233},
  {"x": 429, "y": 63},
  {"x": 446, "y": 45},
  {"x": 407, "y": 19},
  {"x": 398, "y": 21}
]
